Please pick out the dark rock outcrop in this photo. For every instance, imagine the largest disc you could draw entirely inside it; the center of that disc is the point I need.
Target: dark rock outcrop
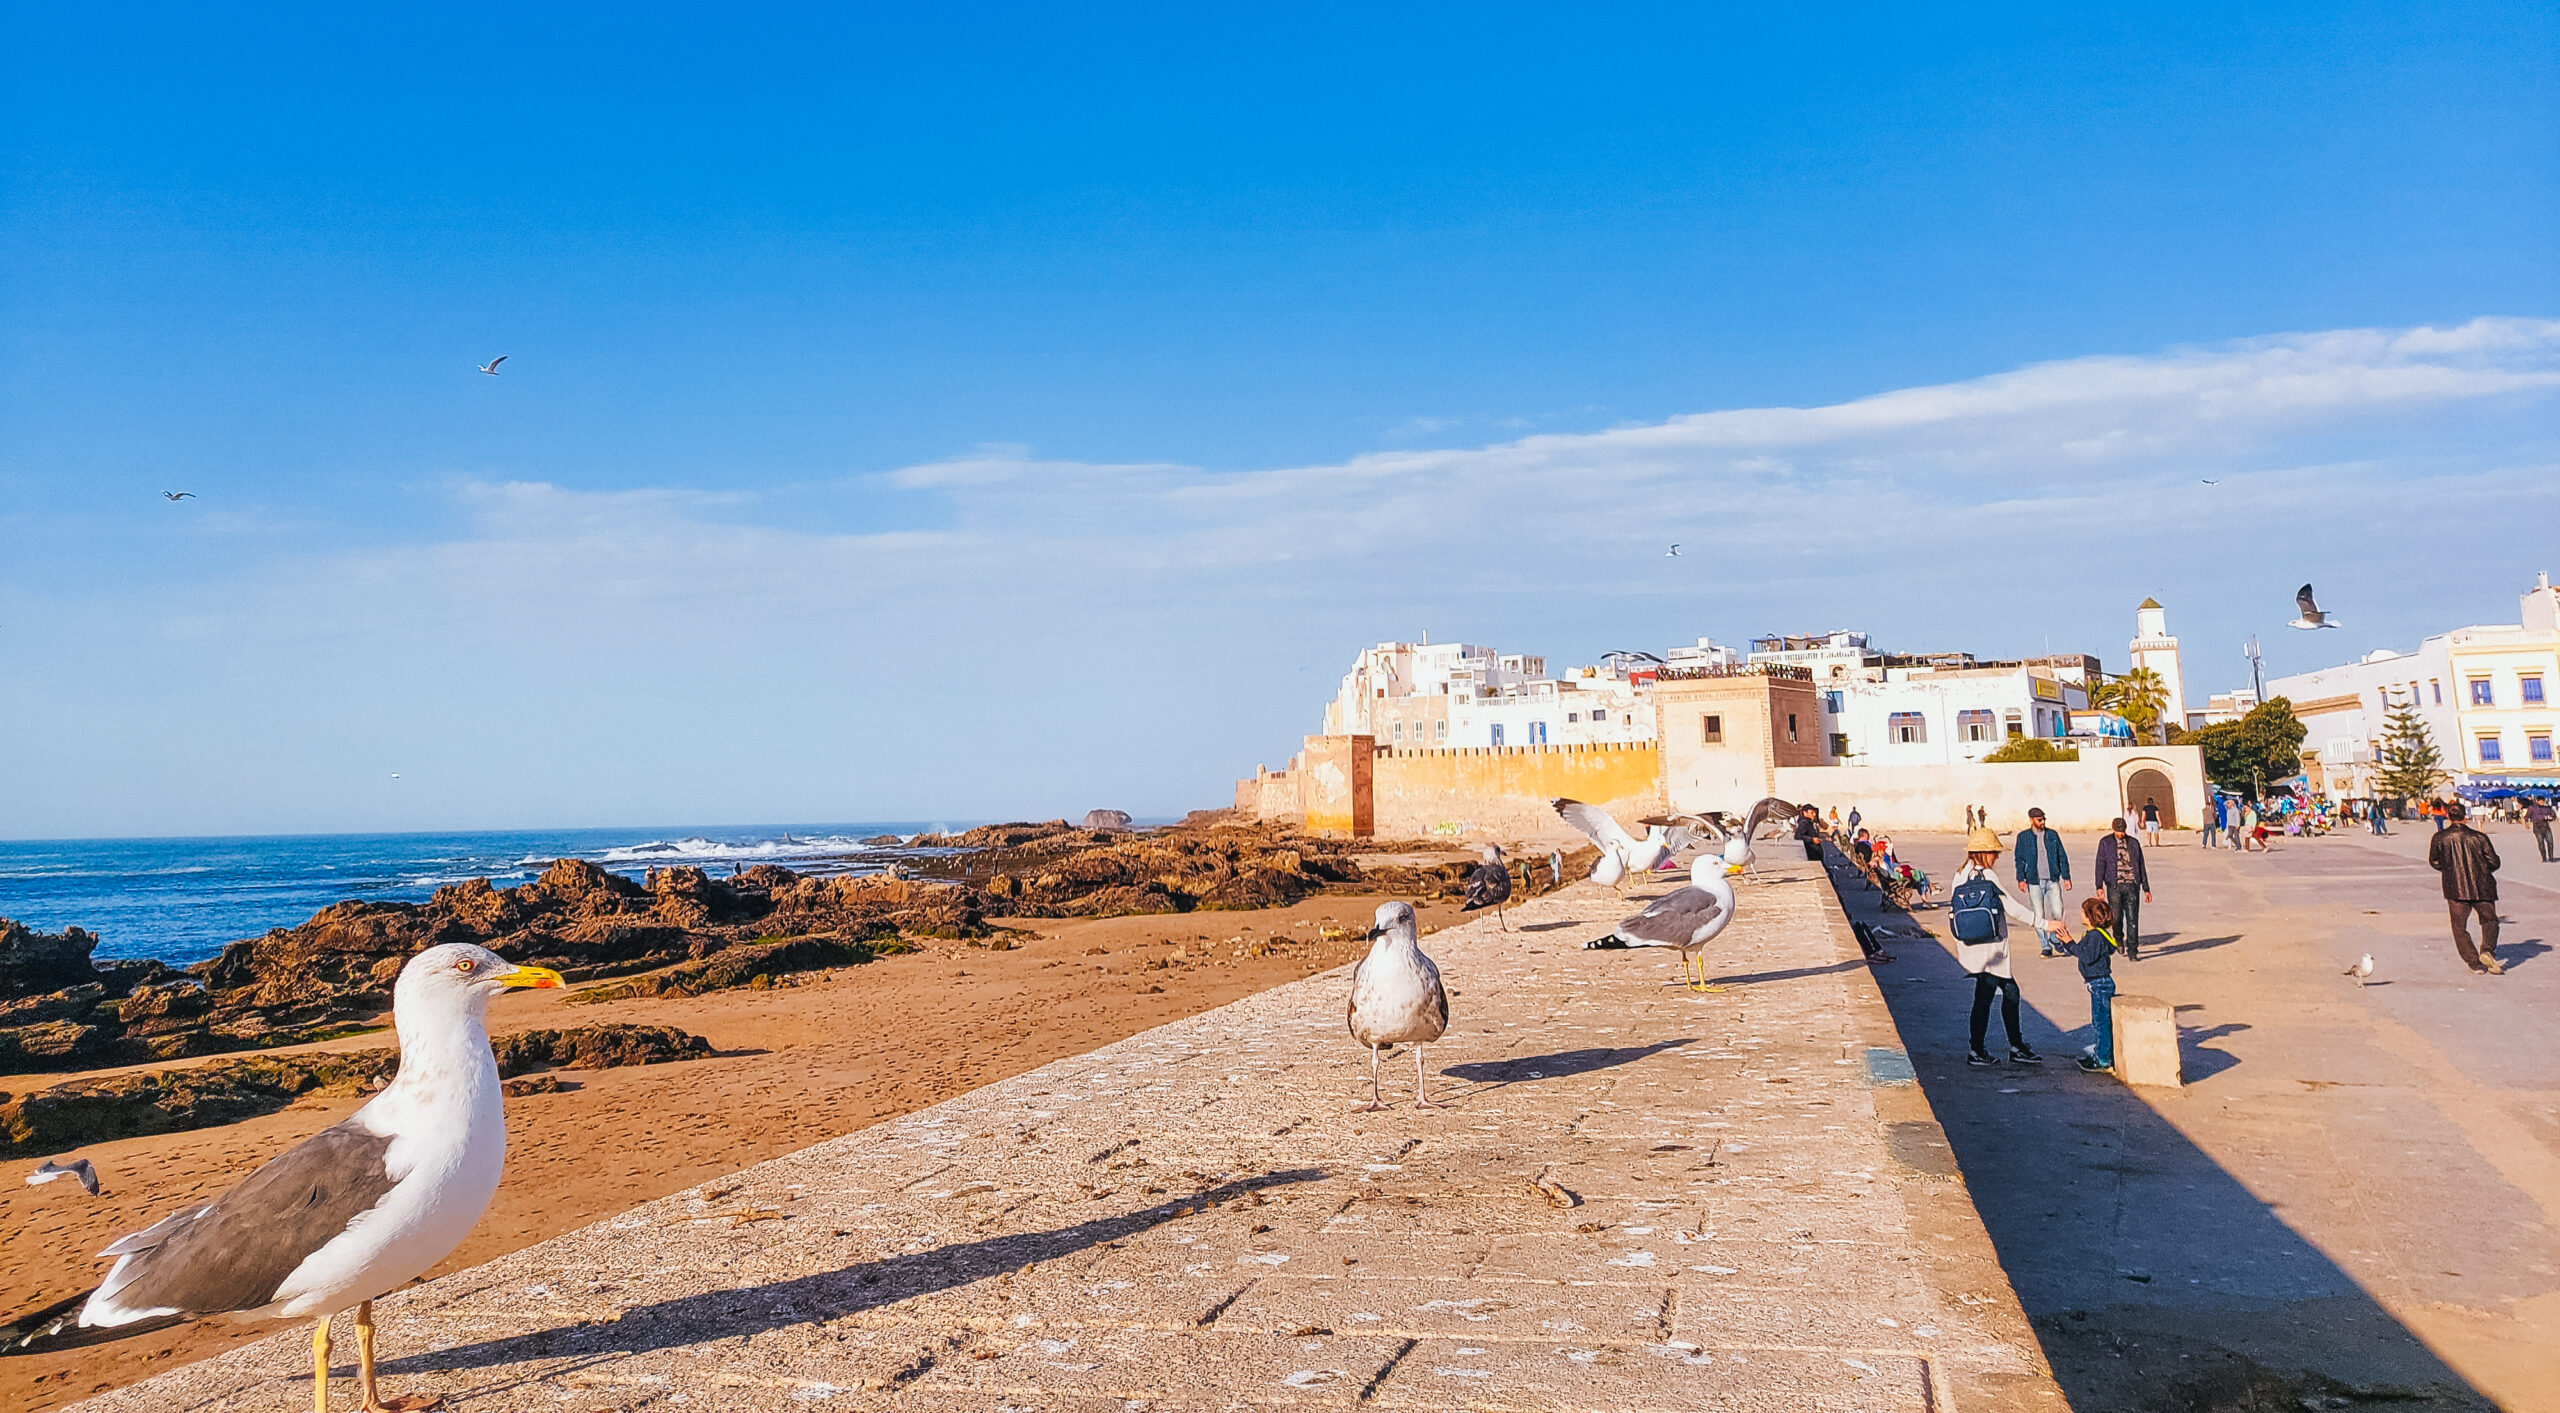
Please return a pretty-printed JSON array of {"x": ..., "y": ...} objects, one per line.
[{"x": 85, "y": 1111}]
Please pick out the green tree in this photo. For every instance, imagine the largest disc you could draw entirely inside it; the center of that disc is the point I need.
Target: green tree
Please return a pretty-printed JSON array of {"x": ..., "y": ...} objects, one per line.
[
  {"x": 2139, "y": 696},
  {"x": 2411, "y": 767},
  {"x": 2031, "y": 748},
  {"x": 2244, "y": 756}
]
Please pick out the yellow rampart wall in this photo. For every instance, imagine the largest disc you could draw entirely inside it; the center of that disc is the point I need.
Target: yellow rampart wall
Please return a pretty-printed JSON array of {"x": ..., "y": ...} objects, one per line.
[{"x": 1502, "y": 791}]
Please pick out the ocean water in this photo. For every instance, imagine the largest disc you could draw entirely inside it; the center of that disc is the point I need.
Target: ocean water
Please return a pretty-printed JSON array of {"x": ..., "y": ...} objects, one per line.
[{"x": 180, "y": 900}]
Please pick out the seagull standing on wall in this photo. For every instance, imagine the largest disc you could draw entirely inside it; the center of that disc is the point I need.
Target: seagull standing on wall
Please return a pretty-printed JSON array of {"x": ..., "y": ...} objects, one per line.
[
  {"x": 1686, "y": 920},
  {"x": 352, "y": 1213},
  {"x": 1397, "y": 999},
  {"x": 1489, "y": 886}
]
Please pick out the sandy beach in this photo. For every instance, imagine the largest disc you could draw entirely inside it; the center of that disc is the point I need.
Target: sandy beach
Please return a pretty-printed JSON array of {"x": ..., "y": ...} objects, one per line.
[{"x": 796, "y": 1064}]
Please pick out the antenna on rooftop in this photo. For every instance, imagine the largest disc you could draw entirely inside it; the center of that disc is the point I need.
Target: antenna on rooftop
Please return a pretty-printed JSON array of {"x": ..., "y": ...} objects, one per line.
[{"x": 2257, "y": 670}]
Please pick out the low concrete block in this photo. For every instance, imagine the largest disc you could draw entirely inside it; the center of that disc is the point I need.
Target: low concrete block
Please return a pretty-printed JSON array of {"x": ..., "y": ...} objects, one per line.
[{"x": 2147, "y": 1042}]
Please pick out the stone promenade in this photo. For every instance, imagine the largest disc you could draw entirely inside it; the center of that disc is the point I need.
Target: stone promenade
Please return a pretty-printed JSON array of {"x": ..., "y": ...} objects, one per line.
[{"x": 1747, "y": 1206}]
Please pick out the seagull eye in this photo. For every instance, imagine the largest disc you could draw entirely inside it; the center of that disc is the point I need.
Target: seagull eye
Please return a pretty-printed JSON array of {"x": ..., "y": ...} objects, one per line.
[{"x": 466, "y": 966}]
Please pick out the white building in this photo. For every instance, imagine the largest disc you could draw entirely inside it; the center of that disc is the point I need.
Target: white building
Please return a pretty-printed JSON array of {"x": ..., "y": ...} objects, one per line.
[
  {"x": 1939, "y": 716},
  {"x": 1469, "y": 695},
  {"x": 2154, "y": 647},
  {"x": 1837, "y": 656},
  {"x": 2486, "y": 693}
]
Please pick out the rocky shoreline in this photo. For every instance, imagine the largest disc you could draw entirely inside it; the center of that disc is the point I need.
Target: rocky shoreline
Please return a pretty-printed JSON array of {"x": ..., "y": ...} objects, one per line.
[{"x": 678, "y": 932}]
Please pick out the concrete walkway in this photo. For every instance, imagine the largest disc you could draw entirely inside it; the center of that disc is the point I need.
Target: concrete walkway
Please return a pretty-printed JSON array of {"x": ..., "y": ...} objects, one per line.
[
  {"x": 1766, "y": 1218},
  {"x": 2358, "y": 1193}
]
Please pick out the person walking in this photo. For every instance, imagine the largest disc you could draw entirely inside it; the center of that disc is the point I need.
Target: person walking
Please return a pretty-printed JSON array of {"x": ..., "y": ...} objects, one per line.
[
  {"x": 2120, "y": 870},
  {"x": 2470, "y": 868},
  {"x": 2151, "y": 823},
  {"x": 1853, "y": 821},
  {"x": 2044, "y": 875},
  {"x": 2212, "y": 826},
  {"x": 1968, "y": 819},
  {"x": 2095, "y": 953},
  {"x": 1978, "y": 913},
  {"x": 2538, "y": 814},
  {"x": 2379, "y": 817},
  {"x": 1809, "y": 833}
]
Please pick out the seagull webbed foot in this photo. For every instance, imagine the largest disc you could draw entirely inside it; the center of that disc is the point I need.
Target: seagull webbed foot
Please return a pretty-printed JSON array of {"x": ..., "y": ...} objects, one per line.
[
  {"x": 1370, "y": 1108},
  {"x": 406, "y": 1403},
  {"x": 1427, "y": 1104}
]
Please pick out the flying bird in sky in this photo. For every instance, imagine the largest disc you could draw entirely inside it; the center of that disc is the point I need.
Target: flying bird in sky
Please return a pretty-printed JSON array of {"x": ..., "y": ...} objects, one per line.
[
  {"x": 491, "y": 367},
  {"x": 1673, "y": 552},
  {"x": 177, "y": 495},
  {"x": 2311, "y": 617},
  {"x": 51, "y": 1171},
  {"x": 2208, "y": 480}
]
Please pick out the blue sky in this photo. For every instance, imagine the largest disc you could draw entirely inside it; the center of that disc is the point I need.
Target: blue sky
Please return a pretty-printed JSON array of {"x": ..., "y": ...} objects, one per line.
[{"x": 1008, "y": 412}]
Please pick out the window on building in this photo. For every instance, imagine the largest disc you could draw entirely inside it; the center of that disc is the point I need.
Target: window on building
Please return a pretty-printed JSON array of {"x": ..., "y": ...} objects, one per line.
[
  {"x": 2538, "y": 747},
  {"x": 1839, "y": 743},
  {"x": 2437, "y": 688},
  {"x": 1576, "y": 716},
  {"x": 1399, "y": 733},
  {"x": 1599, "y": 716},
  {"x": 1440, "y": 730},
  {"x": 2531, "y": 682},
  {"x": 1497, "y": 733},
  {"x": 2489, "y": 752},
  {"x": 1791, "y": 727},
  {"x": 2481, "y": 695},
  {"x": 1831, "y": 701},
  {"x": 1908, "y": 728},
  {"x": 1714, "y": 730},
  {"x": 1977, "y": 726},
  {"x": 1537, "y": 733}
]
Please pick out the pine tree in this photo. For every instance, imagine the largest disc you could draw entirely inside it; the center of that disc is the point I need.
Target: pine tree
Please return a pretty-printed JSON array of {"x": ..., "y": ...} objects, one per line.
[{"x": 2411, "y": 767}]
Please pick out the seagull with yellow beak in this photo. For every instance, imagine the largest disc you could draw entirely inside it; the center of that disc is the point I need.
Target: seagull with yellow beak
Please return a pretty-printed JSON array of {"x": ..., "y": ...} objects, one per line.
[{"x": 353, "y": 1212}]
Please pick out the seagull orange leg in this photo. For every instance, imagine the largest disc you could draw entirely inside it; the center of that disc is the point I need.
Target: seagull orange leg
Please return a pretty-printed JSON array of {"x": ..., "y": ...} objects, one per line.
[
  {"x": 320, "y": 1366},
  {"x": 373, "y": 1400}
]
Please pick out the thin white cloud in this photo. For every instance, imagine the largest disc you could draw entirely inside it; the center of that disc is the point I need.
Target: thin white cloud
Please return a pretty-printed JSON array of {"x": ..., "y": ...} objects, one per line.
[{"x": 1075, "y": 633}]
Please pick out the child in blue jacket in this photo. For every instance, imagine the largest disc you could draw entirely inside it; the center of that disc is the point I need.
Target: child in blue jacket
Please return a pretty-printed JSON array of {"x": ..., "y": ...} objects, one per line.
[{"x": 2095, "y": 953}]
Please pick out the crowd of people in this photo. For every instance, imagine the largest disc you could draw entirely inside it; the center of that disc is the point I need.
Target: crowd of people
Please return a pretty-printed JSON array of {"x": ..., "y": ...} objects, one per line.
[{"x": 1981, "y": 910}]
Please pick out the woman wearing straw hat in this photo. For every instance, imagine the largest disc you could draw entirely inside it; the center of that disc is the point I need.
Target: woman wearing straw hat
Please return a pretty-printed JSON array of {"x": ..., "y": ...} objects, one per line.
[{"x": 1978, "y": 912}]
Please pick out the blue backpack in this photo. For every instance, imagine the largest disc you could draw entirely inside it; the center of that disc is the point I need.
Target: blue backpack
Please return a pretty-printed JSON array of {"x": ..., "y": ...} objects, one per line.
[{"x": 1973, "y": 911}]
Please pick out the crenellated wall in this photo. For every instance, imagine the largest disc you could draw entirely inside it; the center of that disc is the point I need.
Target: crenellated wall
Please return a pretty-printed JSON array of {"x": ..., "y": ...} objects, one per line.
[{"x": 1502, "y": 792}]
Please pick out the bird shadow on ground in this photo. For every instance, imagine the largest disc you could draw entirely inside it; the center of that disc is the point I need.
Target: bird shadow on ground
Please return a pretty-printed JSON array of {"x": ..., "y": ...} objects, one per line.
[
  {"x": 1551, "y": 926},
  {"x": 1563, "y": 1064},
  {"x": 743, "y": 1312},
  {"x": 1790, "y": 974},
  {"x": 2154, "y": 948}
]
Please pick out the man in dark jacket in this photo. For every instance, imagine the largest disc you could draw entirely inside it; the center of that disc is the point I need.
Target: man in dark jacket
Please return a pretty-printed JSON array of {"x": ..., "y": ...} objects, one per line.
[
  {"x": 2120, "y": 871},
  {"x": 2538, "y": 813},
  {"x": 1809, "y": 832},
  {"x": 2044, "y": 875},
  {"x": 2470, "y": 868}
]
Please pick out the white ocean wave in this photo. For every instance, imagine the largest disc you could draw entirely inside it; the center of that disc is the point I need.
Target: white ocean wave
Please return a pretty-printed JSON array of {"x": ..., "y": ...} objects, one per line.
[{"x": 700, "y": 850}]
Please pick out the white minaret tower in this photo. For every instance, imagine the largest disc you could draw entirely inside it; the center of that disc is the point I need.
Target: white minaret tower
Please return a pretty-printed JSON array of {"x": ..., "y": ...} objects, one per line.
[{"x": 2153, "y": 647}]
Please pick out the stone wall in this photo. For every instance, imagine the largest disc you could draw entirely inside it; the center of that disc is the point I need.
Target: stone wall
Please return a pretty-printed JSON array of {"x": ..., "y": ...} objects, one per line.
[
  {"x": 1502, "y": 792},
  {"x": 2077, "y": 796}
]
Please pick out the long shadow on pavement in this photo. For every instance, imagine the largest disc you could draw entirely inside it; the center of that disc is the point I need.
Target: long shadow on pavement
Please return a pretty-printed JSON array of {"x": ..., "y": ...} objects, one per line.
[{"x": 2154, "y": 1278}]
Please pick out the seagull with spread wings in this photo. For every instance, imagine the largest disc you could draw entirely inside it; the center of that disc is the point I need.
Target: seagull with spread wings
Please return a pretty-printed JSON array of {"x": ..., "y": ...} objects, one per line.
[
  {"x": 1621, "y": 853},
  {"x": 177, "y": 495},
  {"x": 491, "y": 367},
  {"x": 2311, "y": 617},
  {"x": 77, "y": 1168}
]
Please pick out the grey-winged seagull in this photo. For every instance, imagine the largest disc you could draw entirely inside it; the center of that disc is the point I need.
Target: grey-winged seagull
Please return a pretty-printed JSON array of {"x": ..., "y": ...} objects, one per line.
[
  {"x": 51, "y": 1171},
  {"x": 353, "y": 1212},
  {"x": 1396, "y": 999},
  {"x": 1489, "y": 885},
  {"x": 491, "y": 367},
  {"x": 1685, "y": 920},
  {"x": 2311, "y": 617},
  {"x": 1621, "y": 853}
]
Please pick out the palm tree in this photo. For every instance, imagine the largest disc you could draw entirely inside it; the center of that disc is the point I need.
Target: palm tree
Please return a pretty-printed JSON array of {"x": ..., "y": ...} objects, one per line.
[{"x": 2139, "y": 696}]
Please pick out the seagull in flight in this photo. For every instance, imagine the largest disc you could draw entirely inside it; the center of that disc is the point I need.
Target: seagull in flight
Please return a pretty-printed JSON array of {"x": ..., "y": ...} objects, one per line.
[
  {"x": 51, "y": 1171},
  {"x": 2311, "y": 617},
  {"x": 2208, "y": 480},
  {"x": 1673, "y": 552},
  {"x": 177, "y": 495},
  {"x": 491, "y": 367}
]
